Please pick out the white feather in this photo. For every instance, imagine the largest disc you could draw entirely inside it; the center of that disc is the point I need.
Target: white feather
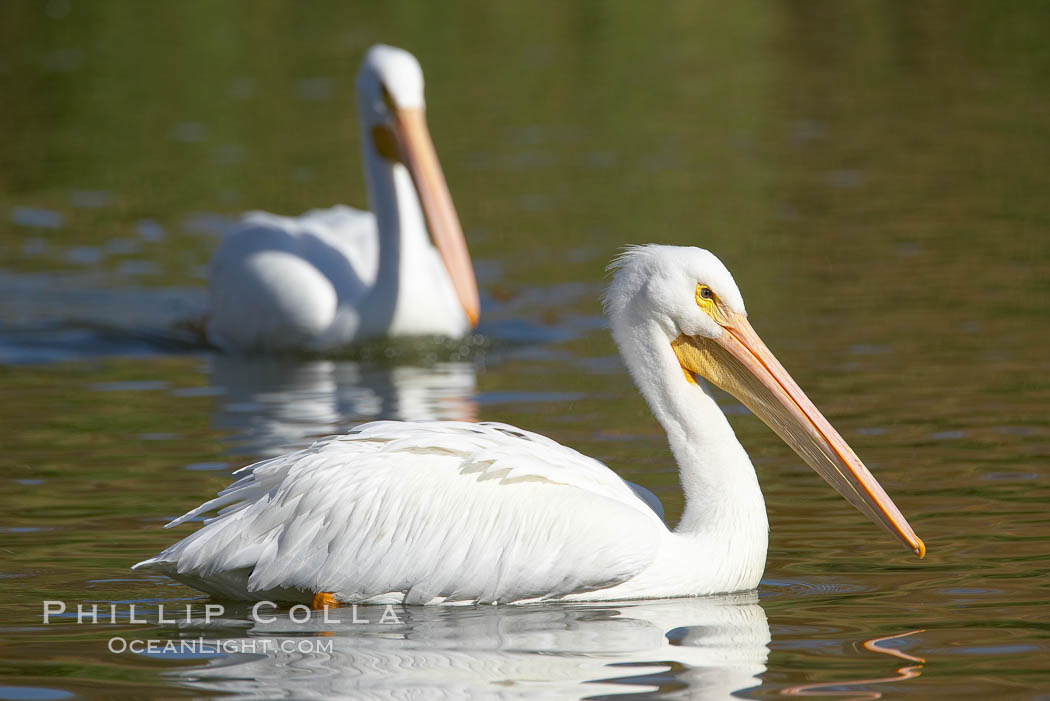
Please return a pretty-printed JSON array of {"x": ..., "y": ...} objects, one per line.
[
  {"x": 277, "y": 283},
  {"x": 442, "y": 511}
]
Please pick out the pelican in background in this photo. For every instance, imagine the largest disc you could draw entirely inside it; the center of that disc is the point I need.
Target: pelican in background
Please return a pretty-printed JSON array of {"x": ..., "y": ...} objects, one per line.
[
  {"x": 450, "y": 513},
  {"x": 333, "y": 277}
]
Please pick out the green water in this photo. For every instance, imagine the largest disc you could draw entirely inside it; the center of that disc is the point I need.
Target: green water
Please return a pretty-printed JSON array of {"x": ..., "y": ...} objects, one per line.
[{"x": 875, "y": 175}]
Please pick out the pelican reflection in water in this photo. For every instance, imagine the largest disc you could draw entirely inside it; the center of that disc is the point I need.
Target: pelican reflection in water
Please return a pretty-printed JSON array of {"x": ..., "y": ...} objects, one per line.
[
  {"x": 273, "y": 405},
  {"x": 696, "y": 648},
  {"x": 712, "y": 646}
]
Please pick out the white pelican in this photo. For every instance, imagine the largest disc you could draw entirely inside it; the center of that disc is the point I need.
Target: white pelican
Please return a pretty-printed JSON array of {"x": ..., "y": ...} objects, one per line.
[
  {"x": 337, "y": 276},
  {"x": 449, "y": 512}
]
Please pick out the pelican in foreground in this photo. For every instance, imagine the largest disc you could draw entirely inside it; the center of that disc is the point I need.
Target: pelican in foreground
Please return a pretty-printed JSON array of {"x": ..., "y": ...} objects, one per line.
[
  {"x": 338, "y": 276},
  {"x": 448, "y": 512}
]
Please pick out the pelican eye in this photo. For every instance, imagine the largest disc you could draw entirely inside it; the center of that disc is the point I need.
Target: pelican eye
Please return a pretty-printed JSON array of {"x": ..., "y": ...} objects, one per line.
[
  {"x": 388, "y": 99},
  {"x": 386, "y": 144},
  {"x": 710, "y": 304}
]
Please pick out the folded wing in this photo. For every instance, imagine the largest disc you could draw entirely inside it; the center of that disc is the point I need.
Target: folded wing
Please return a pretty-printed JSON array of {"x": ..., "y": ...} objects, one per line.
[{"x": 441, "y": 511}]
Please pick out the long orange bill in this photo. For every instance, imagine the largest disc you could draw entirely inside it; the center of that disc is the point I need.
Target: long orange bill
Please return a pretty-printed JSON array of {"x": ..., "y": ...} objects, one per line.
[
  {"x": 739, "y": 363},
  {"x": 419, "y": 157}
]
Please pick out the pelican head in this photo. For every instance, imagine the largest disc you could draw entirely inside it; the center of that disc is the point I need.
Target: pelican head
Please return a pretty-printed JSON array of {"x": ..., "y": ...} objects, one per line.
[
  {"x": 393, "y": 114},
  {"x": 690, "y": 296}
]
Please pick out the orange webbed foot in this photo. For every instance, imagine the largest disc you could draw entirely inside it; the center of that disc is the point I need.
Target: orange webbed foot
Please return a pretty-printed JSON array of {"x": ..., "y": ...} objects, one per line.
[{"x": 324, "y": 599}]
